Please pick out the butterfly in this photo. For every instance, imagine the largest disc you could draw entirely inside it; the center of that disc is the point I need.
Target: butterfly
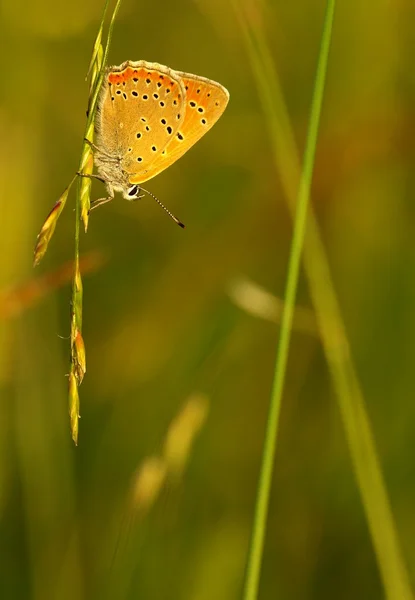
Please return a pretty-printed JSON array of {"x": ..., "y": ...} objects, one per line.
[{"x": 147, "y": 117}]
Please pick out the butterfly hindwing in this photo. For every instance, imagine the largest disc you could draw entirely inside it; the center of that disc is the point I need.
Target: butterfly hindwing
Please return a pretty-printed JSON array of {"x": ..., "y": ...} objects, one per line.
[{"x": 205, "y": 101}]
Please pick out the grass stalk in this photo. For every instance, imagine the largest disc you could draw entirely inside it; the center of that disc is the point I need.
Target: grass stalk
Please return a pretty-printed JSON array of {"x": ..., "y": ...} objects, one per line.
[
  {"x": 96, "y": 70},
  {"x": 264, "y": 486},
  {"x": 349, "y": 395},
  {"x": 82, "y": 204}
]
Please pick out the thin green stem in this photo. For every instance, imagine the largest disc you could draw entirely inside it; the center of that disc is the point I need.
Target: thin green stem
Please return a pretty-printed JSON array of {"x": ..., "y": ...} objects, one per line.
[
  {"x": 85, "y": 147},
  {"x": 348, "y": 390},
  {"x": 77, "y": 346},
  {"x": 268, "y": 457}
]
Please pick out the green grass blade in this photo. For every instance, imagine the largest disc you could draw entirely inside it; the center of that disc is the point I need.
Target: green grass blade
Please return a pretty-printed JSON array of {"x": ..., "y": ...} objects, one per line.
[
  {"x": 264, "y": 486},
  {"x": 335, "y": 343}
]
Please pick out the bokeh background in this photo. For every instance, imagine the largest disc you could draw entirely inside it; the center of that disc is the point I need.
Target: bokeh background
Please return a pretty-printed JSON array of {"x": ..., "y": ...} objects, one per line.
[{"x": 157, "y": 500}]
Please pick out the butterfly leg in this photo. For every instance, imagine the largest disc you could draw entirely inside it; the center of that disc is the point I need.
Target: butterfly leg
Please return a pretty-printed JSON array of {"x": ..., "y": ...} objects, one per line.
[
  {"x": 91, "y": 176},
  {"x": 91, "y": 144},
  {"x": 99, "y": 202},
  {"x": 95, "y": 148}
]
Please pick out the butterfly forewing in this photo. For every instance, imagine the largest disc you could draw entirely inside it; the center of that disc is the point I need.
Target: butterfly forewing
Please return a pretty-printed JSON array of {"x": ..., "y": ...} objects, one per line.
[
  {"x": 140, "y": 112},
  {"x": 205, "y": 101}
]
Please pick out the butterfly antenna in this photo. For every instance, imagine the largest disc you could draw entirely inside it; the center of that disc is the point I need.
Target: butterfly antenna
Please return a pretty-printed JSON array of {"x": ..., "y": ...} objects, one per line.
[{"x": 171, "y": 215}]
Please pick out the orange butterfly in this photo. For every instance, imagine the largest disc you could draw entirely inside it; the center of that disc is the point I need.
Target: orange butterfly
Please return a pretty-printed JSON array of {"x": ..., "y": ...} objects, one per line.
[{"x": 147, "y": 117}]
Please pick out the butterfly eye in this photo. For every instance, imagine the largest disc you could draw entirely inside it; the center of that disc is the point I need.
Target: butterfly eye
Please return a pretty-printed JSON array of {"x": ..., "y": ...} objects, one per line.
[{"x": 133, "y": 191}]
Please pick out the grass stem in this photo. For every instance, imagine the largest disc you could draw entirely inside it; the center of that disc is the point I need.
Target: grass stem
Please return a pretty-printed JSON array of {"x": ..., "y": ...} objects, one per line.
[
  {"x": 268, "y": 456},
  {"x": 338, "y": 354}
]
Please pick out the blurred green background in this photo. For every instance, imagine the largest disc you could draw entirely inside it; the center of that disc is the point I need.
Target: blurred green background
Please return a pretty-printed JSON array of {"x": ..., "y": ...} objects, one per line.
[{"x": 164, "y": 324}]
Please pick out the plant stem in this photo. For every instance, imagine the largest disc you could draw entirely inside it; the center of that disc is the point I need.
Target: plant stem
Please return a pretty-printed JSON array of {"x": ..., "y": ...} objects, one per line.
[
  {"x": 268, "y": 456},
  {"x": 77, "y": 367}
]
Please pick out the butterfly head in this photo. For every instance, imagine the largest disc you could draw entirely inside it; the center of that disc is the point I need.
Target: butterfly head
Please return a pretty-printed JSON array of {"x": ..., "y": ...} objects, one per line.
[{"x": 133, "y": 192}]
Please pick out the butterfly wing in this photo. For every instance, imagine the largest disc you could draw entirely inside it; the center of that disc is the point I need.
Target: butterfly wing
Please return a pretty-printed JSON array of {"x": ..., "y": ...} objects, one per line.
[
  {"x": 205, "y": 102},
  {"x": 140, "y": 109}
]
